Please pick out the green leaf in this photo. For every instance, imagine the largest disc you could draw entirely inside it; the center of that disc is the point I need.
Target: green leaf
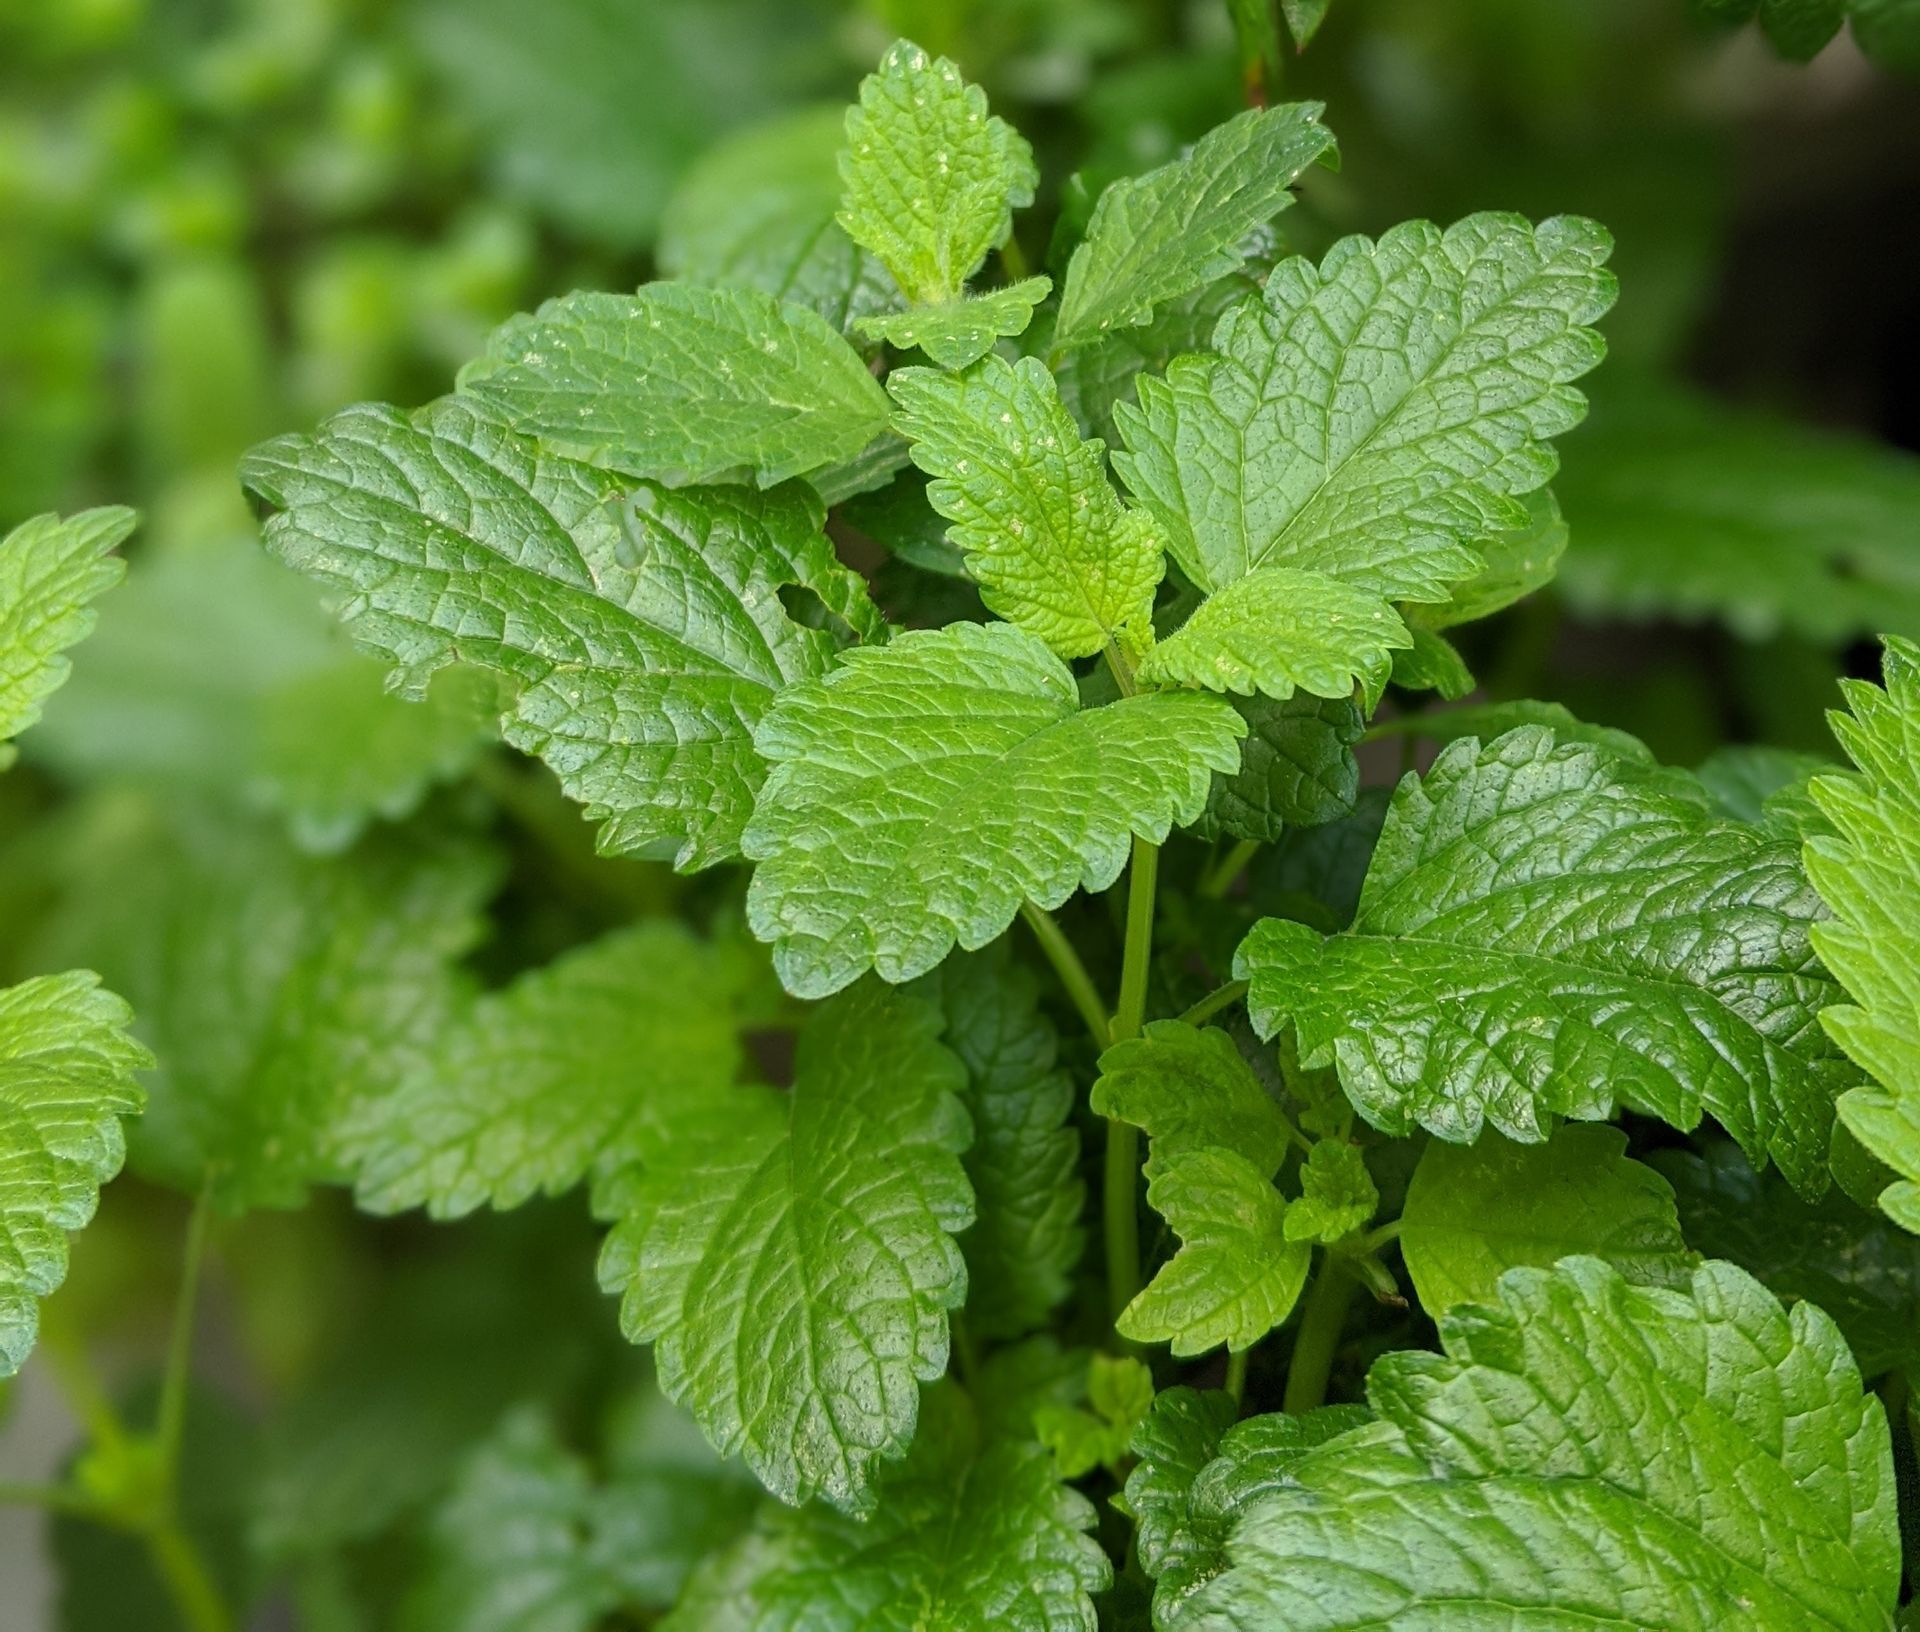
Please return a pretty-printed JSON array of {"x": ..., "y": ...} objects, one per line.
[
  {"x": 1474, "y": 1212},
  {"x": 1047, "y": 539},
  {"x": 1199, "y": 1470},
  {"x": 683, "y": 383},
  {"x": 1430, "y": 663},
  {"x": 1276, "y": 631},
  {"x": 1304, "y": 18},
  {"x": 961, "y": 331},
  {"x": 931, "y": 179},
  {"x": 281, "y": 991},
  {"x": 1118, "y": 1393},
  {"x": 1025, "y": 1161},
  {"x": 970, "y": 1532},
  {"x": 1683, "y": 507},
  {"x": 921, "y": 791},
  {"x": 536, "y": 1086},
  {"x": 1490, "y": 720},
  {"x": 1337, "y": 1194},
  {"x": 1375, "y": 417},
  {"x": 66, "y": 1078},
  {"x": 1237, "y": 1274},
  {"x": 1296, "y": 769},
  {"x": 1191, "y": 1091},
  {"x": 791, "y": 1254},
  {"x": 1546, "y": 932},
  {"x": 756, "y": 211},
  {"x": 1868, "y": 873},
  {"x": 1157, "y": 237},
  {"x": 1518, "y": 561},
  {"x": 641, "y": 626},
  {"x": 49, "y": 571},
  {"x": 1588, "y": 1452}
]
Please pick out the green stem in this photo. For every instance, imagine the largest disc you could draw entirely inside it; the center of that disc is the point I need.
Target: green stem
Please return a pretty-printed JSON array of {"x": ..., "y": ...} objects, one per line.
[
  {"x": 1374, "y": 1240},
  {"x": 189, "y": 1583},
  {"x": 1072, "y": 972},
  {"x": 1321, "y": 1323},
  {"x": 1221, "y": 879},
  {"x": 173, "y": 1387},
  {"x": 1256, "y": 28},
  {"x": 1120, "y": 1189},
  {"x": 54, "y": 1498},
  {"x": 1131, "y": 1012},
  {"x": 74, "y": 1372},
  {"x": 1237, "y": 1375},
  {"x": 1013, "y": 260},
  {"x": 1214, "y": 1002}
]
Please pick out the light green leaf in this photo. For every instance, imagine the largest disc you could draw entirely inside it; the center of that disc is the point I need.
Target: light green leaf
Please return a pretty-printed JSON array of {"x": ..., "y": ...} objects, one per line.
[
  {"x": 1190, "y": 1090},
  {"x": 642, "y": 627},
  {"x": 683, "y": 383},
  {"x": 1296, "y": 768},
  {"x": 1869, "y": 875},
  {"x": 1199, "y": 1470},
  {"x": 1545, "y": 932},
  {"x": 49, "y": 571},
  {"x": 576, "y": 1068},
  {"x": 1118, "y": 1393},
  {"x": 1337, "y": 1194},
  {"x": 1156, "y": 237},
  {"x": 1518, "y": 561},
  {"x": 970, "y": 1532},
  {"x": 961, "y": 331},
  {"x": 1430, "y": 663},
  {"x": 921, "y": 791},
  {"x": 1237, "y": 1274},
  {"x": 1588, "y": 1452},
  {"x": 1304, "y": 18},
  {"x": 931, "y": 179},
  {"x": 1025, "y": 1161},
  {"x": 1741, "y": 779},
  {"x": 1047, "y": 539},
  {"x": 1278, "y": 630},
  {"x": 1376, "y": 416},
  {"x": 756, "y": 211},
  {"x": 280, "y": 991},
  {"x": 66, "y": 1078},
  {"x": 1474, "y": 1212},
  {"x": 792, "y": 1255}
]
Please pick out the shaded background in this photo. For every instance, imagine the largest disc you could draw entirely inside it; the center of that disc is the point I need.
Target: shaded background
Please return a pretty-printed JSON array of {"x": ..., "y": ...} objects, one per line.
[{"x": 220, "y": 220}]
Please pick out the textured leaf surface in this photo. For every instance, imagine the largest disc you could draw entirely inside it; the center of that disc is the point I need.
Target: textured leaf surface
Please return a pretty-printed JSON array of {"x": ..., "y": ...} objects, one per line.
[
  {"x": 642, "y": 626},
  {"x": 961, "y": 331},
  {"x": 1118, "y": 1394},
  {"x": 1545, "y": 932},
  {"x": 1474, "y": 1212},
  {"x": 922, "y": 790},
  {"x": 1047, "y": 539},
  {"x": 1190, "y": 1090},
  {"x": 970, "y": 1532},
  {"x": 1517, "y": 562},
  {"x": 931, "y": 178},
  {"x": 1276, "y": 631},
  {"x": 792, "y": 1254},
  {"x": 684, "y": 383},
  {"x": 1156, "y": 237},
  {"x": 1869, "y": 874},
  {"x": 1296, "y": 768},
  {"x": 1372, "y": 418},
  {"x": 1237, "y": 1274},
  {"x": 1337, "y": 1194},
  {"x": 1024, "y": 1164},
  {"x": 1588, "y": 1452},
  {"x": 66, "y": 1078},
  {"x": 576, "y": 1068},
  {"x": 50, "y": 570}
]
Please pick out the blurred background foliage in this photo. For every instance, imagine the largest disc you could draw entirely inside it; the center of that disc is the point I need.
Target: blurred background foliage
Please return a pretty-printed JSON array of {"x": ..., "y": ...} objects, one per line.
[{"x": 220, "y": 219}]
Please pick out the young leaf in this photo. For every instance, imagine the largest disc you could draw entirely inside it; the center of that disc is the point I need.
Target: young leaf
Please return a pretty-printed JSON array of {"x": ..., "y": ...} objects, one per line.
[
  {"x": 1047, "y": 539},
  {"x": 49, "y": 571},
  {"x": 683, "y": 383},
  {"x": 1588, "y": 1451},
  {"x": 1431, "y": 663},
  {"x": 1546, "y": 932},
  {"x": 792, "y": 1254},
  {"x": 1118, "y": 1395},
  {"x": 1190, "y": 1090},
  {"x": 1372, "y": 418},
  {"x": 922, "y": 790},
  {"x": 1025, "y": 1161},
  {"x": 1337, "y": 1194},
  {"x": 970, "y": 1532},
  {"x": 579, "y": 1067},
  {"x": 1869, "y": 874},
  {"x": 1296, "y": 769},
  {"x": 961, "y": 331},
  {"x": 1237, "y": 1274},
  {"x": 1156, "y": 237},
  {"x": 66, "y": 1078},
  {"x": 1278, "y": 630},
  {"x": 931, "y": 179},
  {"x": 1474, "y": 1212},
  {"x": 642, "y": 627}
]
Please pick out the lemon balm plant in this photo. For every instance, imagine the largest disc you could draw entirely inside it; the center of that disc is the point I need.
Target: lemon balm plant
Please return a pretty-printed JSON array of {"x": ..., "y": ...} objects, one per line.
[{"x": 1008, "y": 1246}]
